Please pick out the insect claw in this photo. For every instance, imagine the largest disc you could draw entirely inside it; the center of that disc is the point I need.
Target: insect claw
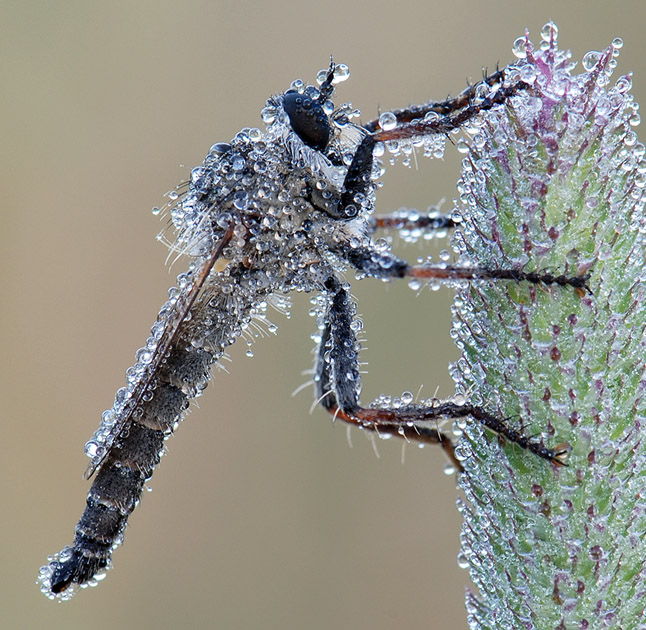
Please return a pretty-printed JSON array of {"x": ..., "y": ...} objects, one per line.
[{"x": 560, "y": 453}]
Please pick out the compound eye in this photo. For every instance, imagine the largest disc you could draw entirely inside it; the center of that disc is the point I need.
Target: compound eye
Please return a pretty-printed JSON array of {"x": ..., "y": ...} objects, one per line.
[{"x": 308, "y": 120}]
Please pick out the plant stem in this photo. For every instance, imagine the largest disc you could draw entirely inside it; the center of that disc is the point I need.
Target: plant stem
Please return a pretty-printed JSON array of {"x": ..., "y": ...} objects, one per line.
[{"x": 554, "y": 182}]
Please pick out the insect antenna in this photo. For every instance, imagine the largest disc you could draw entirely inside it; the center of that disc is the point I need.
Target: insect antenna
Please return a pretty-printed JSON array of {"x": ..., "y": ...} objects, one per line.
[{"x": 327, "y": 87}]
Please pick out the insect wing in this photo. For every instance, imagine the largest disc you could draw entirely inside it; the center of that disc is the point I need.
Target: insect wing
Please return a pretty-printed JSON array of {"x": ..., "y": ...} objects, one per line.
[{"x": 149, "y": 359}]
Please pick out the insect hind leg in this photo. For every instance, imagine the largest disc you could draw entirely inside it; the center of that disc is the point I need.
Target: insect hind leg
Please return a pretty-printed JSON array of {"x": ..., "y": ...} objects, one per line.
[
  {"x": 338, "y": 388},
  {"x": 338, "y": 383}
]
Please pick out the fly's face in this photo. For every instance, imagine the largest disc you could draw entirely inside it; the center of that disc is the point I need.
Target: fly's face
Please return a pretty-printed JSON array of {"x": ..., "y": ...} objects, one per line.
[
  {"x": 278, "y": 190},
  {"x": 319, "y": 143}
]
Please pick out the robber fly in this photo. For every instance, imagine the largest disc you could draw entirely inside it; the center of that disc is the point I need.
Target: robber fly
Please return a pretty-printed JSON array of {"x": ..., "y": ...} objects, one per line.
[{"x": 285, "y": 209}]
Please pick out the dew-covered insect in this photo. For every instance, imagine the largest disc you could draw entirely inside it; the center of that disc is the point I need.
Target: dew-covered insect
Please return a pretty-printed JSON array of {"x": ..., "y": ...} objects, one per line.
[{"x": 287, "y": 209}]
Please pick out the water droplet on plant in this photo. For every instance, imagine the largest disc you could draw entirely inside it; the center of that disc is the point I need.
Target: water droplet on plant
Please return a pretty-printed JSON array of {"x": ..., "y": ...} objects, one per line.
[
  {"x": 462, "y": 146},
  {"x": 519, "y": 48},
  {"x": 528, "y": 74},
  {"x": 549, "y": 32},
  {"x": 591, "y": 59},
  {"x": 463, "y": 562}
]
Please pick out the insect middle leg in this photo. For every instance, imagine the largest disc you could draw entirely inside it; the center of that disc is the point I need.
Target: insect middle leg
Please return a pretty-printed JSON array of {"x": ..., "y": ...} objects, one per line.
[{"x": 413, "y": 220}]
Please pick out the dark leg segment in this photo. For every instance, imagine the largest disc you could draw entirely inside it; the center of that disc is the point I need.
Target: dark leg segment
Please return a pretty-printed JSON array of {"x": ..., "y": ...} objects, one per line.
[
  {"x": 412, "y": 220},
  {"x": 446, "y": 124},
  {"x": 338, "y": 383},
  {"x": 358, "y": 179},
  {"x": 338, "y": 388},
  {"x": 386, "y": 266},
  {"x": 444, "y": 108}
]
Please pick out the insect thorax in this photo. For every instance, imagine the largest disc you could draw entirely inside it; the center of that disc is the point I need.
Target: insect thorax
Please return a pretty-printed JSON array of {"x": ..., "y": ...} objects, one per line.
[{"x": 276, "y": 193}]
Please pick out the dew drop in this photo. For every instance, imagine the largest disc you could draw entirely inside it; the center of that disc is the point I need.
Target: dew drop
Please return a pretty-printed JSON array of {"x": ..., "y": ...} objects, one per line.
[
  {"x": 459, "y": 399},
  {"x": 268, "y": 115},
  {"x": 255, "y": 134},
  {"x": 341, "y": 73},
  {"x": 462, "y": 146},
  {"x": 431, "y": 117},
  {"x": 241, "y": 200},
  {"x": 528, "y": 74},
  {"x": 519, "y": 48},
  {"x": 387, "y": 121},
  {"x": 549, "y": 32},
  {"x": 91, "y": 449},
  {"x": 407, "y": 398},
  {"x": 624, "y": 84},
  {"x": 463, "y": 562},
  {"x": 591, "y": 59}
]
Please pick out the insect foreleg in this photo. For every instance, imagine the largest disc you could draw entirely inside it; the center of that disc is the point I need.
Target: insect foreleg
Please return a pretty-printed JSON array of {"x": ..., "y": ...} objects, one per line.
[{"x": 443, "y": 108}]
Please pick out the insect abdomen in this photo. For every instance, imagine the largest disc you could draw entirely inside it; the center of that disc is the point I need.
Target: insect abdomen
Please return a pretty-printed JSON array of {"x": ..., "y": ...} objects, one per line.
[{"x": 117, "y": 487}]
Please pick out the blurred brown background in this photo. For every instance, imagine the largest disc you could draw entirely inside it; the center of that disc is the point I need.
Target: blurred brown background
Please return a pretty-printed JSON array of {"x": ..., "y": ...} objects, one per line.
[{"x": 261, "y": 516}]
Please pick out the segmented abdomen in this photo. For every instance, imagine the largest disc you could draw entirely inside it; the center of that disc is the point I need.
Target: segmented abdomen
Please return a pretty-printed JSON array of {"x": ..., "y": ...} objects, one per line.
[
  {"x": 215, "y": 322},
  {"x": 119, "y": 482}
]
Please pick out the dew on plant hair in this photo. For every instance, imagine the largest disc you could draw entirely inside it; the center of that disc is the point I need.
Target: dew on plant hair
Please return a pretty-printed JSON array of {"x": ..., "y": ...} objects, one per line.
[
  {"x": 591, "y": 60},
  {"x": 609, "y": 188},
  {"x": 549, "y": 32},
  {"x": 528, "y": 74},
  {"x": 463, "y": 146}
]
